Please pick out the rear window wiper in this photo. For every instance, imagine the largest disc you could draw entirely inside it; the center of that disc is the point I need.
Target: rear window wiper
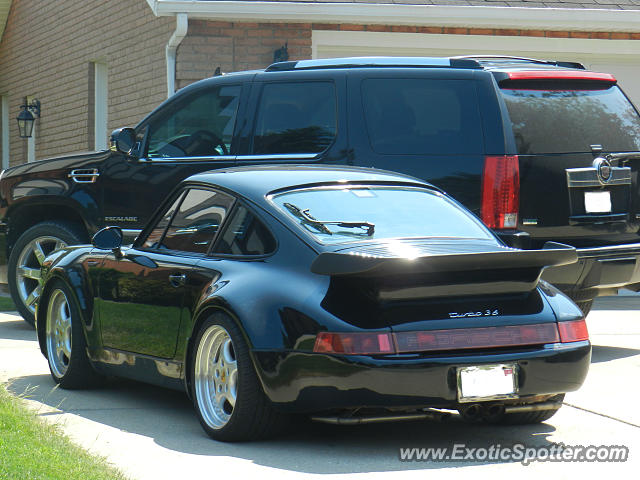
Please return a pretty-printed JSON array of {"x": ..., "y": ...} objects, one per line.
[{"x": 320, "y": 225}]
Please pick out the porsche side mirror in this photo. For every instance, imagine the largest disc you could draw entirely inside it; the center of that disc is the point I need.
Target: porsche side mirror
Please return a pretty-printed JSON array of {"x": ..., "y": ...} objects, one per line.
[
  {"x": 109, "y": 238},
  {"x": 123, "y": 140}
]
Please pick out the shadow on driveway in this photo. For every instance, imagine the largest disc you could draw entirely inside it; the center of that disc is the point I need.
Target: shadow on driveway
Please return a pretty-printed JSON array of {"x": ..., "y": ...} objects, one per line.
[{"x": 169, "y": 419}]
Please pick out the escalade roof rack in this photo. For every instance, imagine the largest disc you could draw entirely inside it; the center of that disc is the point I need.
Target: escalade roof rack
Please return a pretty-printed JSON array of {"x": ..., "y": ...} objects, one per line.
[
  {"x": 363, "y": 62},
  {"x": 503, "y": 60}
]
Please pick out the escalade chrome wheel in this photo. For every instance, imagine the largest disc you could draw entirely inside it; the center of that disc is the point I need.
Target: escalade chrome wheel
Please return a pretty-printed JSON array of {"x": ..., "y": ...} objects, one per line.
[
  {"x": 28, "y": 268},
  {"x": 27, "y": 256}
]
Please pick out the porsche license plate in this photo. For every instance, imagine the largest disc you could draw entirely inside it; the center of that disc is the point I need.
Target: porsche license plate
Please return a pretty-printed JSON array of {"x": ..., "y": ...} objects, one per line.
[
  {"x": 487, "y": 382},
  {"x": 597, "y": 202}
]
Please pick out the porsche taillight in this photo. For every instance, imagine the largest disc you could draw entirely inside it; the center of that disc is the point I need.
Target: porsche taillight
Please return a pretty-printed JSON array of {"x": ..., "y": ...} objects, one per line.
[
  {"x": 373, "y": 343},
  {"x": 573, "y": 331},
  {"x": 354, "y": 343},
  {"x": 500, "y": 191}
]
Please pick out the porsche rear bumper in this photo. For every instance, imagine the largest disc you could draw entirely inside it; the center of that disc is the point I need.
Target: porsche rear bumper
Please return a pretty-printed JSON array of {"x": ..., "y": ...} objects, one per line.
[{"x": 307, "y": 382}]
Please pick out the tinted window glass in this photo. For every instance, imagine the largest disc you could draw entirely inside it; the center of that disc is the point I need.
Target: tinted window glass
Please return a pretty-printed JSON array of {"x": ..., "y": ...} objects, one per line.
[
  {"x": 156, "y": 234},
  {"x": 197, "y": 220},
  {"x": 563, "y": 120},
  {"x": 295, "y": 118},
  {"x": 202, "y": 125},
  {"x": 245, "y": 235},
  {"x": 394, "y": 212},
  {"x": 422, "y": 116}
]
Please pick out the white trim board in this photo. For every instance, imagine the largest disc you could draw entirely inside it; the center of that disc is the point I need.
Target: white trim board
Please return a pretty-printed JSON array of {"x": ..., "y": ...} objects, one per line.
[
  {"x": 620, "y": 57},
  {"x": 602, "y": 20},
  {"x": 327, "y": 44}
]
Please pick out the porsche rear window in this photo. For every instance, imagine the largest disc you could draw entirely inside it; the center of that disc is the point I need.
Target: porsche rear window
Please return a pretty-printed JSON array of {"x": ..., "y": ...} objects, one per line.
[
  {"x": 353, "y": 213},
  {"x": 565, "y": 118}
]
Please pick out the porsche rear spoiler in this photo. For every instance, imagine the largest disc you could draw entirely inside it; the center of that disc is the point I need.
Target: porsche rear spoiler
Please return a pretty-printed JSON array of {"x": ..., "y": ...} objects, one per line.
[
  {"x": 351, "y": 263},
  {"x": 397, "y": 278}
]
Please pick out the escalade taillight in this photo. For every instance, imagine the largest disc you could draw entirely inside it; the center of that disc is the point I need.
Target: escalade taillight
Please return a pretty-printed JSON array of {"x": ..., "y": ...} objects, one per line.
[{"x": 500, "y": 191}]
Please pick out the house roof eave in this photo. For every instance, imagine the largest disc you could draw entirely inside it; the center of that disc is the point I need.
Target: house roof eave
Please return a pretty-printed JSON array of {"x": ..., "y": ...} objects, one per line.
[{"x": 565, "y": 19}]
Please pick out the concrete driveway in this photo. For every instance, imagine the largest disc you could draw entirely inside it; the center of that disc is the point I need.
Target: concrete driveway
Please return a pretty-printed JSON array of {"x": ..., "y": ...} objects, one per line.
[{"x": 150, "y": 433}]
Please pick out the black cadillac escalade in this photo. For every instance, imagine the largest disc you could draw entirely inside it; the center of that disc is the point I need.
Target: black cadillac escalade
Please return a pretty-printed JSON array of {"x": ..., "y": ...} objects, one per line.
[{"x": 539, "y": 150}]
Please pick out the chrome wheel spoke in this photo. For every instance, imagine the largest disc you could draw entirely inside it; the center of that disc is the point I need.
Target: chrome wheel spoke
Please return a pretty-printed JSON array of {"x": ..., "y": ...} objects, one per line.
[
  {"x": 31, "y": 298},
  {"x": 26, "y": 272},
  {"x": 38, "y": 251},
  {"x": 28, "y": 268}
]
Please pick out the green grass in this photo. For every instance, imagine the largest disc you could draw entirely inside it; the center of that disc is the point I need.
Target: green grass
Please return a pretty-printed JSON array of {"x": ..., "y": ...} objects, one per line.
[
  {"x": 34, "y": 450},
  {"x": 6, "y": 305}
]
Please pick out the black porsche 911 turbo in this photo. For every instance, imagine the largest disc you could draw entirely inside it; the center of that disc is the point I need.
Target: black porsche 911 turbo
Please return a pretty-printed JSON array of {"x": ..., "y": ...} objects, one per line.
[{"x": 350, "y": 295}]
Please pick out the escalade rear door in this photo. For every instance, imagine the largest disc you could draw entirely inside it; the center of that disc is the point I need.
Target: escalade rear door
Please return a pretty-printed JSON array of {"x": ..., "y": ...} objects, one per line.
[{"x": 575, "y": 136}]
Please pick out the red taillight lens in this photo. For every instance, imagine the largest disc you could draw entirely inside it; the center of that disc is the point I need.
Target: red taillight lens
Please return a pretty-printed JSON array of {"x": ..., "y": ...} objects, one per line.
[
  {"x": 574, "y": 331},
  {"x": 500, "y": 191},
  {"x": 448, "y": 339},
  {"x": 562, "y": 75},
  {"x": 354, "y": 343},
  {"x": 481, "y": 337}
]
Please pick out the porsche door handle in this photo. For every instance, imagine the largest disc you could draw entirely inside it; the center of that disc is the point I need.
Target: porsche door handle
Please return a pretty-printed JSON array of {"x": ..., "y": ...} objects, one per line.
[{"x": 177, "y": 280}]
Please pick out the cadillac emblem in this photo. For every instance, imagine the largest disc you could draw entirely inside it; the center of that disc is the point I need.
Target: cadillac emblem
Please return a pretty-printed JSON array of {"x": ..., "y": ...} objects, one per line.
[{"x": 603, "y": 169}]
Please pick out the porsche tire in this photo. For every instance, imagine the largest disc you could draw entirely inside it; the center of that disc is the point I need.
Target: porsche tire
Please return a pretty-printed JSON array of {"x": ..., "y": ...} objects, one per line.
[
  {"x": 226, "y": 392},
  {"x": 66, "y": 348}
]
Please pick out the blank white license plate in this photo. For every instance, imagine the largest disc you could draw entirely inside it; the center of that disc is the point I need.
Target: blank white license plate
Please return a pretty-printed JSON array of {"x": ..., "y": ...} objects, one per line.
[
  {"x": 597, "y": 202},
  {"x": 485, "y": 382}
]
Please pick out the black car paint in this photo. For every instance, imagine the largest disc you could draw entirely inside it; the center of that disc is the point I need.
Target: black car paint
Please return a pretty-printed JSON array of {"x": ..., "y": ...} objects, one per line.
[
  {"x": 29, "y": 191},
  {"x": 281, "y": 306}
]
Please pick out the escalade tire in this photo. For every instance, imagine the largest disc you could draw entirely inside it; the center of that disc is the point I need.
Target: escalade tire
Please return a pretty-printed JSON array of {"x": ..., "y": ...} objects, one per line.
[{"x": 26, "y": 258}]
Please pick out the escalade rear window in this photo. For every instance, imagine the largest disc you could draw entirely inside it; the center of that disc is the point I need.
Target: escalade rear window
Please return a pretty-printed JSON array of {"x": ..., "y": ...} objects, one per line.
[
  {"x": 570, "y": 118},
  {"x": 416, "y": 116}
]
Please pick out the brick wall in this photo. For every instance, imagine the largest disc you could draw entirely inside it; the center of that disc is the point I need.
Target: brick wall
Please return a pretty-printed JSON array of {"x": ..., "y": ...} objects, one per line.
[
  {"x": 236, "y": 46},
  {"x": 62, "y": 38},
  {"x": 45, "y": 52}
]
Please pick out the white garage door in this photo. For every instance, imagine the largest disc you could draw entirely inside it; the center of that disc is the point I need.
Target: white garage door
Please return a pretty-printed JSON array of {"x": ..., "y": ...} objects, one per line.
[{"x": 619, "y": 57}]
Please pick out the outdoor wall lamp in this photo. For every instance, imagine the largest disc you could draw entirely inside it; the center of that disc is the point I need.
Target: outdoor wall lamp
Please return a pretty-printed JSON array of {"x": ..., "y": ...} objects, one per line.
[{"x": 27, "y": 117}]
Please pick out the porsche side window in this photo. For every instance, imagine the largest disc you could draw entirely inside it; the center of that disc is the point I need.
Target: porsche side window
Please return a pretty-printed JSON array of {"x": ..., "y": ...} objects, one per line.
[
  {"x": 295, "y": 118},
  {"x": 197, "y": 221},
  {"x": 154, "y": 237},
  {"x": 245, "y": 235},
  {"x": 201, "y": 126}
]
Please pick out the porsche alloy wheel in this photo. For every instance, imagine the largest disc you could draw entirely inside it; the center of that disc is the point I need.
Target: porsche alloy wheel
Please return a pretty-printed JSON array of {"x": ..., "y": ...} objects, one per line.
[
  {"x": 66, "y": 348},
  {"x": 226, "y": 392},
  {"x": 216, "y": 377},
  {"x": 58, "y": 333}
]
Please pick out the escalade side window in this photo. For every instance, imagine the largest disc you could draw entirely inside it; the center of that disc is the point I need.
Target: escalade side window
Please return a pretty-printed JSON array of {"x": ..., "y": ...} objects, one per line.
[
  {"x": 295, "y": 118},
  {"x": 200, "y": 126},
  {"x": 417, "y": 116}
]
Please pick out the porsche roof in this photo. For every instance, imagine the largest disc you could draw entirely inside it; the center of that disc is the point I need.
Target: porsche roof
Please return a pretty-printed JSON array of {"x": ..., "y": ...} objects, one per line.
[{"x": 257, "y": 181}]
